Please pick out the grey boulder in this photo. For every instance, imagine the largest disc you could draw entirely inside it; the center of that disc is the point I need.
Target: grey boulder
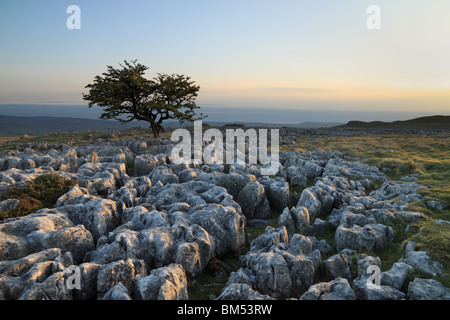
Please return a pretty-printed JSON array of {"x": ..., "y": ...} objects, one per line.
[
  {"x": 369, "y": 237},
  {"x": 277, "y": 191},
  {"x": 427, "y": 289},
  {"x": 338, "y": 266},
  {"x": 396, "y": 277},
  {"x": 118, "y": 292},
  {"x": 40, "y": 231},
  {"x": 338, "y": 289},
  {"x": 253, "y": 201},
  {"x": 365, "y": 290},
  {"x": 122, "y": 271},
  {"x": 166, "y": 283},
  {"x": 420, "y": 260},
  {"x": 241, "y": 291}
]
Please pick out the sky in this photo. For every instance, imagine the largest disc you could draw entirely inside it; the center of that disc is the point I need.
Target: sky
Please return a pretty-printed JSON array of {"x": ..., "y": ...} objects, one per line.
[{"x": 245, "y": 54}]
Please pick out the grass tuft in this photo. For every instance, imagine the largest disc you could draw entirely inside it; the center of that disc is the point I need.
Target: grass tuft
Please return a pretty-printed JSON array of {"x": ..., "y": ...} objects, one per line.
[{"x": 435, "y": 239}]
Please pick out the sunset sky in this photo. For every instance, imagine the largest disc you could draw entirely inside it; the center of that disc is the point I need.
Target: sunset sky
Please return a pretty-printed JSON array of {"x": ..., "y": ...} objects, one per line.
[{"x": 303, "y": 55}]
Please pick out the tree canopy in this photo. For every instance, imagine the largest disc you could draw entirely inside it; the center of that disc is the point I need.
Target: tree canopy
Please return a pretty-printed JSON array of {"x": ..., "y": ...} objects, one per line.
[{"x": 126, "y": 95}]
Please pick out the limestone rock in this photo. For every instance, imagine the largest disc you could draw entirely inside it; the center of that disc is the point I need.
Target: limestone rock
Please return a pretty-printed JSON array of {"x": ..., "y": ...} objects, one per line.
[
  {"x": 223, "y": 224},
  {"x": 166, "y": 283},
  {"x": 98, "y": 216},
  {"x": 295, "y": 220},
  {"x": 338, "y": 266},
  {"x": 338, "y": 289},
  {"x": 427, "y": 289},
  {"x": 123, "y": 271},
  {"x": 145, "y": 163},
  {"x": 366, "y": 291},
  {"x": 88, "y": 281},
  {"x": 396, "y": 276},
  {"x": 39, "y": 231},
  {"x": 277, "y": 191},
  {"x": 420, "y": 260},
  {"x": 53, "y": 288},
  {"x": 296, "y": 177},
  {"x": 241, "y": 291},
  {"x": 253, "y": 201},
  {"x": 370, "y": 237},
  {"x": 118, "y": 292},
  {"x": 8, "y": 204}
]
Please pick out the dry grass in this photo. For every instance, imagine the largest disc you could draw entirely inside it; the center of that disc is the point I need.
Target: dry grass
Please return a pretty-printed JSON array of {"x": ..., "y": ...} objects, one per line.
[{"x": 11, "y": 139}]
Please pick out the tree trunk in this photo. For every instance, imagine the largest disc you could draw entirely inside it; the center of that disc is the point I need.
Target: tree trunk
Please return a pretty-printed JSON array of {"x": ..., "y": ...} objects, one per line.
[{"x": 155, "y": 129}]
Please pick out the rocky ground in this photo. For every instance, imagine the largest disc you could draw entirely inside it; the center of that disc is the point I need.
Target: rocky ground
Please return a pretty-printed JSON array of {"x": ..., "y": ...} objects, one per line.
[{"x": 138, "y": 226}]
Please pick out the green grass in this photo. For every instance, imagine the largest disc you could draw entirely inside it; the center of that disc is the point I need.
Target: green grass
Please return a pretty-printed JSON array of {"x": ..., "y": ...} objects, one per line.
[
  {"x": 435, "y": 239},
  {"x": 256, "y": 232},
  {"x": 130, "y": 166},
  {"x": 208, "y": 283},
  {"x": 201, "y": 287},
  {"x": 205, "y": 286}
]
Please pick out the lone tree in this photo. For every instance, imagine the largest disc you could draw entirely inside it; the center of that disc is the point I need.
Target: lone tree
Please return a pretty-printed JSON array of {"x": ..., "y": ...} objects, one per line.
[{"x": 126, "y": 95}]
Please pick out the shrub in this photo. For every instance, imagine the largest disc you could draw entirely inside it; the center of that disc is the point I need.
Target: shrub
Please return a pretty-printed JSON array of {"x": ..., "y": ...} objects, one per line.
[{"x": 42, "y": 192}]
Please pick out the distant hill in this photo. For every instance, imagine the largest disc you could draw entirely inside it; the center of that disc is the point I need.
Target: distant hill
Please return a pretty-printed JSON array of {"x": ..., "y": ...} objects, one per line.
[
  {"x": 41, "y": 126},
  {"x": 11, "y": 126},
  {"x": 305, "y": 125},
  {"x": 432, "y": 122}
]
